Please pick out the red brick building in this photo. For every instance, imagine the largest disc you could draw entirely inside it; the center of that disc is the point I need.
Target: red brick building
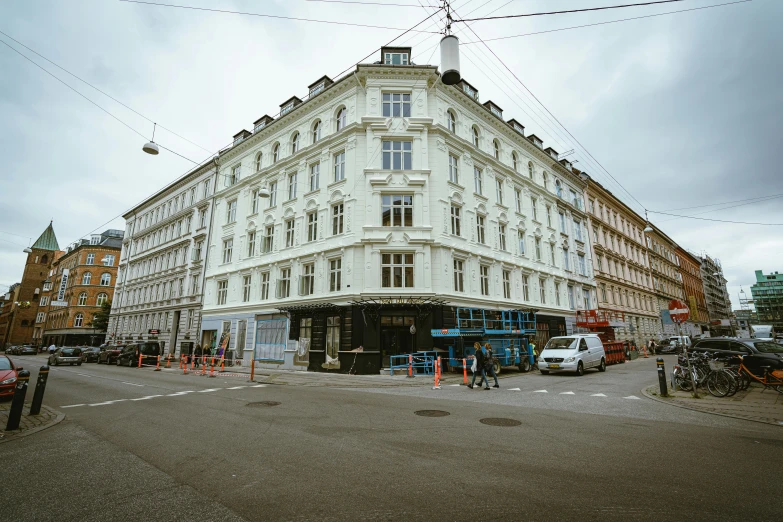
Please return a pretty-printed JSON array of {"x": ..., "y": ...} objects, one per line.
[
  {"x": 82, "y": 280},
  {"x": 19, "y": 321},
  {"x": 690, "y": 270}
]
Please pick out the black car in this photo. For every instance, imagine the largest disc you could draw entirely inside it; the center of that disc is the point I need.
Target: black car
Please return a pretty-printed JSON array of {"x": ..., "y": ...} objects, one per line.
[
  {"x": 756, "y": 352},
  {"x": 129, "y": 356},
  {"x": 90, "y": 354}
]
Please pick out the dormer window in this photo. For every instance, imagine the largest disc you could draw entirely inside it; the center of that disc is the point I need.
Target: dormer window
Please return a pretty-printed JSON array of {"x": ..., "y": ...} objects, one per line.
[
  {"x": 395, "y": 59},
  {"x": 536, "y": 141},
  {"x": 238, "y": 139},
  {"x": 262, "y": 123},
  {"x": 318, "y": 88},
  {"x": 470, "y": 92},
  {"x": 94, "y": 240},
  {"x": 517, "y": 126},
  {"x": 496, "y": 111},
  {"x": 259, "y": 126},
  {"x": 287, "y": 108}
]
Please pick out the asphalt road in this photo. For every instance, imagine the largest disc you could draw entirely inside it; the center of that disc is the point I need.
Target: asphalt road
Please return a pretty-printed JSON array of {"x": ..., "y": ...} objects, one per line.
[{"x": 143, "y": 445}]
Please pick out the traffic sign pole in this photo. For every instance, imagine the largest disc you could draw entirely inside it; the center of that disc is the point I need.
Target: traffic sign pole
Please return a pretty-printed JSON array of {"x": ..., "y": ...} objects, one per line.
[{"x": 679, "y": 312}]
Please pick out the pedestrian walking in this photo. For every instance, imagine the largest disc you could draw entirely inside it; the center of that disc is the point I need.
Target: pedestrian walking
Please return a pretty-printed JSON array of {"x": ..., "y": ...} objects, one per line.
[
  {"x": 490, "y": 363},
  {"x": 52, "y": 348},
  {"x": 651, "y": 346},
  {"x": 480, "y": 369}
]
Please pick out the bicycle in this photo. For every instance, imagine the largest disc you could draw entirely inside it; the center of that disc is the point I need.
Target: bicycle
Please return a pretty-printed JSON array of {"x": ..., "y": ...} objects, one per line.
[{"x": 771, "y": 379}]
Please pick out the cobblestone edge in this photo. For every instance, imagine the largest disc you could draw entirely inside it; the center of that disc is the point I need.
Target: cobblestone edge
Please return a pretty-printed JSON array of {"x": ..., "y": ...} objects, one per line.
[
  {"x": 16, "y": 436},
  {"x": 673, "y": 402}
]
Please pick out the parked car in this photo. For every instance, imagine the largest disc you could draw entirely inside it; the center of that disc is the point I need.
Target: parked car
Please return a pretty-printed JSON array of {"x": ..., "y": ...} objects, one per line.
[
  {"x": 756, "y": 352},
  {"x": 573, "y": 353},
  {"x": 66, "y": 355},
  {"x": 8, "y": 374},
  {"x": 90, "y": 354},
  {"x": 108, "y": 354},
  {"x": 11, "y": 350},
  {"x": 28, "y": 350},
  {"x": 148, "y": 351}
]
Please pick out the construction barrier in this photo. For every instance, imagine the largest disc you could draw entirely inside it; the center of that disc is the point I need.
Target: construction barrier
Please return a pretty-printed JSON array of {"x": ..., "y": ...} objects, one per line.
[
  {"x": 168, "y": 361},
  {"x": 157, "y": 364},
  {"x": 436, "y": 386},
  {"x": 615, "y": 352},
  {"x": 412, "y": 364},
  {"x": 464, "y": 371}
]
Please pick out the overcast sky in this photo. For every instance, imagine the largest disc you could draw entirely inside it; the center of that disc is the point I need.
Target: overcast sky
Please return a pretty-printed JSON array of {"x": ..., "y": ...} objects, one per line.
[{"x": 683, "y": 109}]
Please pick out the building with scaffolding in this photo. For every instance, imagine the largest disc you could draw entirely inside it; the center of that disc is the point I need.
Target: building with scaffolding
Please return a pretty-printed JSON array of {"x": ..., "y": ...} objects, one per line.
[
  {"x": 717, "y": 297},
  {"x": 768, "y": 298}
]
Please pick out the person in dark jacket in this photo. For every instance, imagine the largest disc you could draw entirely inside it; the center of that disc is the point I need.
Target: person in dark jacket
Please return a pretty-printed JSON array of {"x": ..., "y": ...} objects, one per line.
[
  {"x": 490, "y": 365},
  {"x": 481, "y": 358}
]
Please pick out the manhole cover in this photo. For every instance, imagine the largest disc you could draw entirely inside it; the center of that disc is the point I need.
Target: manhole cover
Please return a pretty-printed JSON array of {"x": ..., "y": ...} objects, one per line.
[
  {"x": 500, "y": 422},
  {"x": 431, "y": 413},
  {"x": 263, "y": 404}
]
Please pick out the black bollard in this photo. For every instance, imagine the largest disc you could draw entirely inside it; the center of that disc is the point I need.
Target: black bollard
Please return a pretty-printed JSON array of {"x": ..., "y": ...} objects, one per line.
[
  {"x": 662, "y": 377},
  {"x": 20, "y": 390},
  {"x": 40, "y": 388}
]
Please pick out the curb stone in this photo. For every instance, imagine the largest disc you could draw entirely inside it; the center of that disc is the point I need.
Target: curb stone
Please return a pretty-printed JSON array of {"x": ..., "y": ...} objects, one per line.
[{"x": 15, "y": 435}]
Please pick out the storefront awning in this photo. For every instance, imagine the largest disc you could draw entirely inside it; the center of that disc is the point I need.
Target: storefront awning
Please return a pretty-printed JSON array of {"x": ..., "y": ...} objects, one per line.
[{"x": 372, "y": 306}]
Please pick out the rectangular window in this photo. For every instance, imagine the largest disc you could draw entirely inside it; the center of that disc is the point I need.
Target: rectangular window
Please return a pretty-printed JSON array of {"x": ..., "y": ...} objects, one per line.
[
  {"x": 542, "y": 290},
  {"x": 335, "y": 275},
  {"x": 502, "y": 236},
  {"x": 507, "y": 284},
  {"x": 315, "y": 175},
  {"x": 90, "y": 259},
  {"x": 456, "y": 220},
  {"x": 582, "y": 266},
  {"x": 499, "y": 191},
  {"x": 233, "y": 179},
  {"x": 202, "y": 218},
  {"x": 251, "y": 243},
  {"x": 484, "y": 271},
  {"x": 264, "y": 286},
  {"x": 453, "y": 169},
  {"x": 396, "y": 104},
  {"x": 549, "y": 216},
  {"x": 538, "y": 249},
  {"x": 565, "y": 260},
  {"x": 333, "y": 336},
  {"x": 284, "y": 283},
  {"x": 39, "y": 318},
  {"x": 292, "y": 186},
  {"x": 397, "y": 211},
  {"x": 521, "y": 240},
  {"x": 246, "y": 285},
  {"x": 586, "y": 298},
  {"x": 231, "y": 211},
  {"x": 312, "y": 226},
  {"x": 577, "y": 230},
  {"x": 397, "y": 155},
  {"x": 289, "y": 233},
  {"x": 557, "y": 293},
  {"x": 228, "y": 248},
  {"x": 44, "y": 300},
  {"x": 108, "y": 260},
  {"x": 307, "y": 282},
  {"x": 395, "y": 59},
  {"x": 397, "y": 271},
  {"x": 222, "y": 292},
  {"x": 269, "y": 238},
  {"x": 459, "y": 282},
  {"x": 478, "y": 181},
  {"x": 273, "y": 194},
  {"x": 518, "y": 200},
  {"x": 480, "y": 229},
  {"x": 339, "y": 166},
  {"x": 337, "y": 219},
  {"x": 534, "y": 208},
  {"x": 254, "y": 201},
  {"x": 571, "y": 297},
  {"x": 525, "y": 288},
  {"x": 552, "y": 255}
]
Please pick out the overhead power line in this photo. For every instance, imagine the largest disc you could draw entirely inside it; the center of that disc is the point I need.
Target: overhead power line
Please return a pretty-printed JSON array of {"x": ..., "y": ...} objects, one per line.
[
  {"x": 717, "y": 220},
  {"x": 750, "y": 200},
  {"x": 366, "y": 3},
  {"x": 609, "y": 22},
  {"x": 101, "y": 91},
  {"x": 280, "y": 17},
  {"x": 562, "y": 12}
]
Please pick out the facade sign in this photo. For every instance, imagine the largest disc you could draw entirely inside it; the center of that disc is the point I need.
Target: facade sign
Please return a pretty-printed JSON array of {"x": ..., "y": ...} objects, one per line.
[
  {"x": 63, "y": 284},
  {"x": 153, "y": 332}
]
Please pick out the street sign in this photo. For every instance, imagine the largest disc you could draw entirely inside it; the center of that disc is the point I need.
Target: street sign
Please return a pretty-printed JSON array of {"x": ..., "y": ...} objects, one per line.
[
  {"x": 678, "y": 311},
  {"x": 153, "y": 332}
]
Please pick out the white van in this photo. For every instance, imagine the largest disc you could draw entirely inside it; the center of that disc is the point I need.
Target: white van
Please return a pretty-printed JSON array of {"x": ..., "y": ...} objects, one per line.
[{"x": 572, "y": 353}]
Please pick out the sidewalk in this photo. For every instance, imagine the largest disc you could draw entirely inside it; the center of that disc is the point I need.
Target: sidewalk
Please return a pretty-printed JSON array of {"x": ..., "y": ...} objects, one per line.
[
  {"x": 29, "y": 424},
  {"x": 754, "y": 404}
]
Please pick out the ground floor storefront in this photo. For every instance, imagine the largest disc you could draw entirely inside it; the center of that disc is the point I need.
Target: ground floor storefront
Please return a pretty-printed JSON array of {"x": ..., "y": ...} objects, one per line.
[
  {"x": 73, "y": 337},
  {"x": 175, "y": 329}
]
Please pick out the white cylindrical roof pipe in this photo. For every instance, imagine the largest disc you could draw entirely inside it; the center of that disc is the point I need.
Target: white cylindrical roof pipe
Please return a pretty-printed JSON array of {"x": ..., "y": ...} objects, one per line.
[{"x": 449, "y": 59}]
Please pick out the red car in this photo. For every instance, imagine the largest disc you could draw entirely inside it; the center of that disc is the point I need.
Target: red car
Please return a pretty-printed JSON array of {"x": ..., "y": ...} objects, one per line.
[{"x": 8, "y": 374}]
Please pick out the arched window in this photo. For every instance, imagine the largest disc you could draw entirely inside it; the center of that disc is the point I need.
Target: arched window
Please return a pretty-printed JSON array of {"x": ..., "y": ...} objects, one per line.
[
  {"x": 475, "y": 136},
  {"x": 496, "y": 146},
  {"x": 45, "y": 259},
  {"x": 259, "y": 158},
  {"x": 546, "y": 181},
  {"x": 530, "y": 169},
  {"x": 106, "y": 279},
  {"x": 515, "y": 161},
  {"x": 317, "y": 131},
  {"x": 451, "y": 121},
  {"x": 78, "y": 320},
  {"x": 86, "y": 278},
  {"x": 295, "y": 143},
  {"x": 275, "y": 153},
  {"x": 341, "y": 119},
  {"x": 102, "y": 298},
  {"x": 82, "y": 299},
  {"x": 558, "y": 188}
]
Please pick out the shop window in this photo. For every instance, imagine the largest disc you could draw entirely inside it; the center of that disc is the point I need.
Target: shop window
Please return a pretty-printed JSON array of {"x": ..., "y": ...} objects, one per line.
[{"x": 333, "y": 336}]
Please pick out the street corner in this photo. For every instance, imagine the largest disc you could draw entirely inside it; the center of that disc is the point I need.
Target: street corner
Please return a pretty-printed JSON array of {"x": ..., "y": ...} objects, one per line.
[{"x": 28, "y": 424}]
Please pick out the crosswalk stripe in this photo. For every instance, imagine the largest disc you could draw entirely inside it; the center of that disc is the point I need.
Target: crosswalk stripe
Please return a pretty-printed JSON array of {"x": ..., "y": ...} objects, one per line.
[
  {"x": 514, "y": 389},
  {"x": 632, "y": 397},
  {"x": 598, "y": 395},
  {"x": 567, "y": 393},
  {"x": 209, "y": 390},
  {"x": 540, "y": 391},
  {"x": 259, "y": 386},
  {"x": 236, "y": 387}
]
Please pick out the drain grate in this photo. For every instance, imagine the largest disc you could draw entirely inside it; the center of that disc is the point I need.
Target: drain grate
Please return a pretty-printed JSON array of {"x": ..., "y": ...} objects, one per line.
[
  {"x": 263, "y": 404},
  {"x": 500, "y": 422},
  {"x": 432, "y": 413}
]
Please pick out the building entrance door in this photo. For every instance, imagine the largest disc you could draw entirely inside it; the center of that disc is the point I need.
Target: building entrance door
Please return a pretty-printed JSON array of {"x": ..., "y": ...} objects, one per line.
[{"x": 396, "y": 338}]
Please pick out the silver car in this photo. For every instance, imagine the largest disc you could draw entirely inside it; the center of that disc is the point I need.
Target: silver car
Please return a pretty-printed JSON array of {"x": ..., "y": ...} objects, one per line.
[{"x": 66, "y": 355}]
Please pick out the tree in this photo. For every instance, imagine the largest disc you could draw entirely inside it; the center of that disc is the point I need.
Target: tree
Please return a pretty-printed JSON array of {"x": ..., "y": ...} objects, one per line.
[{"x": 100, "y": 321}]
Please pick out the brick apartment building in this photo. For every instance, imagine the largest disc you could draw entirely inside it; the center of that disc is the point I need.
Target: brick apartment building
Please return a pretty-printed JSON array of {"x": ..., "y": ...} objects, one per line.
[
  {"x": 690, "y": 269},
  {"x": 18, "y": 323},
  {"x": 82, "y": 280}
]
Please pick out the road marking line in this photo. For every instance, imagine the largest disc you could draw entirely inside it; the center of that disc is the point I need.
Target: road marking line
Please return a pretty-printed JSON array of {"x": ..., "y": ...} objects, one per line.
[
  {"x": 84, "y": 374},
  {"x": 236, "y": 387},
  {"x": 179, "y": 393},
  {"x": 454, "y": 385},
  {"x": 567, "y": 393},
  {"x": 101, "y": 403},
  {"x": 73, "y": 406},
  {"x": 131, "y": 383},
  {"x": 514, "y": 389},
  {"x": 632, "y": 397},
  {"x": 259, "y": 386},
  {"x": 147, "y": 397},
  {"x": 209, "y": 390},
  {"x": 540, "y": 391},
  {"x": 598, "y": 395}
]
